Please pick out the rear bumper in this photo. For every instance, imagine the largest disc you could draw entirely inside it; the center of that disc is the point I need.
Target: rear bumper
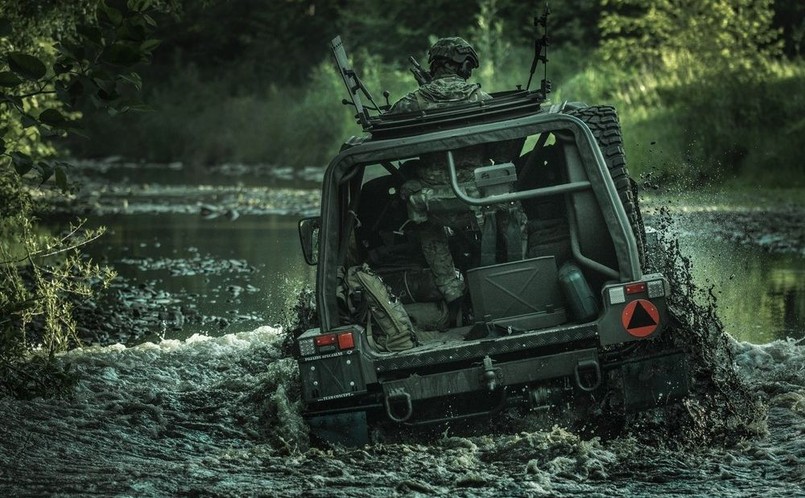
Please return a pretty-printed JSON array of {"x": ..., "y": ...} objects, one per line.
[{"x": 639, "y": 383}]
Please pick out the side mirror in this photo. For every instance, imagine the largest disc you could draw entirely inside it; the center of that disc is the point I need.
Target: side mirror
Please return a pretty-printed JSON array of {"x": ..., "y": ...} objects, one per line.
[{"x": 309, "y": 229}]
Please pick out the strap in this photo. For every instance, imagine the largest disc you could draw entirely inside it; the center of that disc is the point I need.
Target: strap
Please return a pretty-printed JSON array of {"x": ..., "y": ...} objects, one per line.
[
  {"x": 513, "y": 236},
  {"x": 489, "y": 234},
  {"x": 369, "y": 338}
]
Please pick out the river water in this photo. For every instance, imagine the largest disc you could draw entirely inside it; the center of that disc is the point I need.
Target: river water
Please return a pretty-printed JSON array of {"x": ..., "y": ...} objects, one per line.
[{"x": 211, "y": 408}]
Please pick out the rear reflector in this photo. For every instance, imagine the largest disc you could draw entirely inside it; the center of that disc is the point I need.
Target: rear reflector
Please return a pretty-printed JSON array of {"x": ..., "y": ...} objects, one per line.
[
  {"x": 636, "y": 288},
  {"x": 325, "y": 340},
  {"x": 346, "y": 341},
  {"x": 656, "y": 288}
]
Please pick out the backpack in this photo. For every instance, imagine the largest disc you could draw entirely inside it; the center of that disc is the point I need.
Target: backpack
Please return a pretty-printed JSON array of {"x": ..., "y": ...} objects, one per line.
[{"x": 366, "y": 299}]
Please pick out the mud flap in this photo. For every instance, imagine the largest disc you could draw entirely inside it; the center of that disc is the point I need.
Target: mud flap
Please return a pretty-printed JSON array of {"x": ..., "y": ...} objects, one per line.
[
  {"x": 653, "y": 382},
  {"x": 348, "y": 429}
]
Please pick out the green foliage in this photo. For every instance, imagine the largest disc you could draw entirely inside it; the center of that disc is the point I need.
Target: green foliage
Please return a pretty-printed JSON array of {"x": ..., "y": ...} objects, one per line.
[
  {"x": 41, "y": 275},
  {"x": 201, "y": 118},
  {"x": 702, "y": 86},
  {"x": 230, "y": 86},
  {"x": 281, "y": 40},
  {"x": 38, "y": 375},
  {"x": 690, "y": 38},
  {"x": 202, "y": 122},
  {"x": 53, "y": 56},
  {"x": 789, "y": 16}
]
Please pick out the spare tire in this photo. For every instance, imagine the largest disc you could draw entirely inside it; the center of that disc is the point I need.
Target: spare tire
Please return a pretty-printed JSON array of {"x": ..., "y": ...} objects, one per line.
[{"x": 604, "y": 123}]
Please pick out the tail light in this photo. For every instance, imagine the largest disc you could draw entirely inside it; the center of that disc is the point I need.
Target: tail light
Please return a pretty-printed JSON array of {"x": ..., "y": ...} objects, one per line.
[
  {"x": 652, "y": 289},
  {"x": 327, "y": 343}
]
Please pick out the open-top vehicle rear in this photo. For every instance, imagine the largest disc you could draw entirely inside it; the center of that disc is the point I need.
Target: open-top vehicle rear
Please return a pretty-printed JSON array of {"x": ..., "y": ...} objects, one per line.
[{"x": 572, "y": 320}]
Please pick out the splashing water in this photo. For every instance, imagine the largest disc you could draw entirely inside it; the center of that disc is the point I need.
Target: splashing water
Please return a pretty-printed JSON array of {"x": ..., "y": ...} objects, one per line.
[{"x": 221, "y": 416}]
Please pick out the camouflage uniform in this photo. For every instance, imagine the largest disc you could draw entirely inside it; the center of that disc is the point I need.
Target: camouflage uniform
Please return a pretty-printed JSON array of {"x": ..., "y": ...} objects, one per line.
[
  {"x": 444, "y": 91},
  {"x": 432, "y": 183}
]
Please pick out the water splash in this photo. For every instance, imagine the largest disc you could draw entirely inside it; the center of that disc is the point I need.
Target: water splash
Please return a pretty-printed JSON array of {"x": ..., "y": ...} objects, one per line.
[{"x": 221, "y": 416}]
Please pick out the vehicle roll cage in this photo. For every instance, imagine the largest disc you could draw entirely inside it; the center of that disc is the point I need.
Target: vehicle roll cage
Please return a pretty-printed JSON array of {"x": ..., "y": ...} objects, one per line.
[{"x": 585, "y": 162}]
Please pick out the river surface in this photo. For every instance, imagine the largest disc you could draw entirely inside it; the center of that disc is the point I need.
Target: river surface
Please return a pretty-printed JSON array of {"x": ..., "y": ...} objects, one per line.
[{"x": 210, "y": 407}]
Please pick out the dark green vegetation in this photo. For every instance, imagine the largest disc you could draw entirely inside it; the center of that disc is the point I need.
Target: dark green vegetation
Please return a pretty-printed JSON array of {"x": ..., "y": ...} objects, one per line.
[
  {"x": 703, "y": 93},
  {"x": 56, "y": 58},
  {"x": 707, "y": 91}
]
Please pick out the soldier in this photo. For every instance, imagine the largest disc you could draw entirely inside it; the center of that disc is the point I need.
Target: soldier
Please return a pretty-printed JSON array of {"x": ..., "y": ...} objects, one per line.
[{"x": 451, "y": 63}]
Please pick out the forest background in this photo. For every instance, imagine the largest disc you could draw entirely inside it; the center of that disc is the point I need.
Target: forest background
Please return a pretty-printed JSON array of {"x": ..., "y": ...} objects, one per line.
[
  {"x": 709, "y": 93},
  {"x": 706, "y": 90}
]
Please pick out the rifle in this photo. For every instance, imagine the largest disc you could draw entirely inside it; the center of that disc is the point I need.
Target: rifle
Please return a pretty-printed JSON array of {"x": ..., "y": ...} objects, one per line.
[
  {"x": 540, "y": 46},
  {"x": 422, "y": 76},
  {"x": 353, "y": 84}
]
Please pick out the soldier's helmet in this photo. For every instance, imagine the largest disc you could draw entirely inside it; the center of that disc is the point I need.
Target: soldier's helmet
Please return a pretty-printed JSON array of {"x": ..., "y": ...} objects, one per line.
[{"x": 454, "y": 49}]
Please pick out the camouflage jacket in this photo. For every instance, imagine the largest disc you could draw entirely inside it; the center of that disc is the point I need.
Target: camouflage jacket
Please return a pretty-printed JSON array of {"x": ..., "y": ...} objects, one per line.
[
  {"x": 441, "y": 92},
  {"x": 444, "y": 91}
]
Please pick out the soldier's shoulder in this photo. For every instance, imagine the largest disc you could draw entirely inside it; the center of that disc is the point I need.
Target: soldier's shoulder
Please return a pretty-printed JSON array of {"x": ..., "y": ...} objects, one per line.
[{"x": 407, "y": 103}]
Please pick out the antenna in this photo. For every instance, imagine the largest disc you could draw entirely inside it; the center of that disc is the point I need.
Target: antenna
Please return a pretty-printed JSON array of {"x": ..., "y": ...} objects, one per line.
[{"x": 540, "y": 46}]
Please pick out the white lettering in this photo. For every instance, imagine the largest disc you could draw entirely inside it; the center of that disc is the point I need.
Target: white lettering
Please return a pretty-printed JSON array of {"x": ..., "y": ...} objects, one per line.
[{"x": 335, "y": 396}]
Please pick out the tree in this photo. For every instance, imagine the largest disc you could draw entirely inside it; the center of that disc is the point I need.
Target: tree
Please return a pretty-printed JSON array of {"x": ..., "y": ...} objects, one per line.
[
  {"x": 689, "y": 38},
  {"x": 709, "y": 63},
  {"x": 53, "y": 55}
]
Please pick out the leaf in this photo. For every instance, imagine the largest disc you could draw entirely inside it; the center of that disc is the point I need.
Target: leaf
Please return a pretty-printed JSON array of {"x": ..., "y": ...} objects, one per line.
[
  {"x": 75, "y": 89},
  {"x": 27, "y": 66},
  {"x": 133, "y": 79},
  {"x": 22, "y": 162},
  {"x": 9, "y": 79},
  {"x": 45, "y": 169},
  {"x": 52, "y": 117},
  {"x": 61, "y": 178},
  {"x": 11, "y": 99},
  {"x": 108, "y": 95},
  {"x": 62, "y": 66},
  {"x": 28, "y": 121},
  {"x": 121, "y": 55},
  {"x": 132, "y": 30},
  {"x": 5, "y": 27},
  {"x": 129, "y": 105},
  {"x": 72, "y": 52},
  {"x": 111, "y": 14},
  {"x": 45, "y": 132},
  {"x": 149, "y": 45},
  {"x": 141, "y": 5},
  {"x": 2, "y": 146},
  {"x": 90, "y": 33}
]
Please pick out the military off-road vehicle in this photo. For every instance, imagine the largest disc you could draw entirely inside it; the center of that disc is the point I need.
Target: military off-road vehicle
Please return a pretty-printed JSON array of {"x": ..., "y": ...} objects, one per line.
[{"x": 561, "y": 326}]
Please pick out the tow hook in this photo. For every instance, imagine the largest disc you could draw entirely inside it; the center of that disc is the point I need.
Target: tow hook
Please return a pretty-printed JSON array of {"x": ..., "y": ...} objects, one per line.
[
  {"x": 397, "y": 397},
  {"x": 588, "y": 375},
  {"x": 489, "y": 376}
]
